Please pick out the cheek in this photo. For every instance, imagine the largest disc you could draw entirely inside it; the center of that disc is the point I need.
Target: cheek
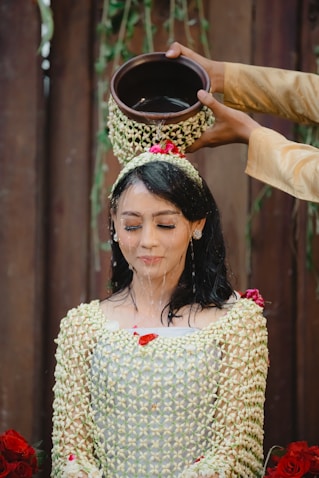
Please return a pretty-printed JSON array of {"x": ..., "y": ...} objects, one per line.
[
  {"x": 179, "y": 244},
  {"x": 128, "y": 242}
]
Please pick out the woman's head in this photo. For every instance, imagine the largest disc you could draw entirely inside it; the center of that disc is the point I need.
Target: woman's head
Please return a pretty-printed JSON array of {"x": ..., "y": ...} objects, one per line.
[{"x": 203, "y": 277}]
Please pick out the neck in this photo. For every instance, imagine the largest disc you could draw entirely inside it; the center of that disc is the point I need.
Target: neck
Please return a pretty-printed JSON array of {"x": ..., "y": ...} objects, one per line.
[{"x": 149, "y": 299}]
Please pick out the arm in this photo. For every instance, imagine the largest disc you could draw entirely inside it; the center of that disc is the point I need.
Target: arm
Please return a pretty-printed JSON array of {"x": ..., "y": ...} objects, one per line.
[
  {"x": 273, "y": 159},
  {"x": 285, "y": 93},
  {"x": 237, "y": 443},
  {"x": 72, "y": 422},
  {"x": 289, "y": 94},
  {"x": 284, "y": 164}
]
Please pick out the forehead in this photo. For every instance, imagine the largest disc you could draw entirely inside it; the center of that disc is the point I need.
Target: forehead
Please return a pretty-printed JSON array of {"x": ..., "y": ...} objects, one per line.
[{"x": 138, "y": 198}]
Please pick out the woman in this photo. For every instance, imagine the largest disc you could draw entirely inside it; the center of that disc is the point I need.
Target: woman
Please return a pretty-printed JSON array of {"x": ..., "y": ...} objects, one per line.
[
  {"x": 273, "y": 159},
  {"x": 166, "y": 377}
]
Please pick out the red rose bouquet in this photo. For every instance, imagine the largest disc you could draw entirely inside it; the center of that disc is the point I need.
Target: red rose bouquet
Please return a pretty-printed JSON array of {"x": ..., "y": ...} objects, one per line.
[
  {"x": 298, "y": 460},
  {"x": 18, "y": 459}
]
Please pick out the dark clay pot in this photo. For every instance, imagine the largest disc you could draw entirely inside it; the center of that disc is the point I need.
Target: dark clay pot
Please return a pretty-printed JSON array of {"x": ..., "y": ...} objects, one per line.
[{"x": 152, "y": 88}]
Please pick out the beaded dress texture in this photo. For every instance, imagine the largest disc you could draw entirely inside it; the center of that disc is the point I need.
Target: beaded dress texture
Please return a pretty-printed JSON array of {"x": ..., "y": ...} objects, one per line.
[{"x": 181, "y": 406}]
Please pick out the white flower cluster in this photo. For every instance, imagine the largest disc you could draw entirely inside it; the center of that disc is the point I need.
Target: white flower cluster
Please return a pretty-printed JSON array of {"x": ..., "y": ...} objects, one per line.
[
  {"x": 171, "y": 158},
  {"x": 73, "y": 469},
  {"x": 129, "y": 137}
]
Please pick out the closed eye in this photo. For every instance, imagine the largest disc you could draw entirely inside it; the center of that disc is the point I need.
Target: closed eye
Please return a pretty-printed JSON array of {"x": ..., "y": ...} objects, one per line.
[
  {"x": 132, "y": 228},
  {"x": 166, "y": 226}
]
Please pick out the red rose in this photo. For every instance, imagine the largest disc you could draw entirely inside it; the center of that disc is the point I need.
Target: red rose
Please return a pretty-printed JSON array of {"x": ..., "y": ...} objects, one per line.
[
  {"x": 293, "y": 465},
  {"x": 13, "y": 445},
  {"x": 15, "y": 448},
  {"x": 254, "y": 295},
  {"x": 298, "y": 448},
  {"x": 314, "y": 457},
  {"x": 4, "y": 469},
  {"x": 168, "y": 148},
  {"x": 21, "y": 470}
]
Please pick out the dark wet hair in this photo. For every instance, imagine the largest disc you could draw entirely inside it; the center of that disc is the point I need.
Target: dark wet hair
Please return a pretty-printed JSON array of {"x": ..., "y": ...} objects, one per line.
[{"x": 204, "y": 279}]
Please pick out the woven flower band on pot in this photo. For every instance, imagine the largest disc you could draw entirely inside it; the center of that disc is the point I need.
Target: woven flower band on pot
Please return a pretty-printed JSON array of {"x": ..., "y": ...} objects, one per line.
[{"x": 153, "y": 99}]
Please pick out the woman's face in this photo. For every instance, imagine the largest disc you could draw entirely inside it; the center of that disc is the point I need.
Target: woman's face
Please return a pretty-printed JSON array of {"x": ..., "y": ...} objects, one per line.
[{"x": 152, "y": 233}]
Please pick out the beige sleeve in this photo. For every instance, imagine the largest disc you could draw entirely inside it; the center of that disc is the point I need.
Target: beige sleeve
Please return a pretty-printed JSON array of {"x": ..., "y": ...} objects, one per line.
[
  {"x": 285, "y": 93},
  {"x": 284, "y": 164},
  {"x": 72, "y": 420}
]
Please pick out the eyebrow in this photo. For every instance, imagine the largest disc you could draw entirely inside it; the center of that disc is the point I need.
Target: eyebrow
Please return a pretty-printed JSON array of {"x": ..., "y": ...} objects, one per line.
[{"x": 167, "y": 212}]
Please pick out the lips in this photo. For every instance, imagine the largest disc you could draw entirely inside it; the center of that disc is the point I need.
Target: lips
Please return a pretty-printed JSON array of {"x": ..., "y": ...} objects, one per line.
[{"x": 150, "y": 260}]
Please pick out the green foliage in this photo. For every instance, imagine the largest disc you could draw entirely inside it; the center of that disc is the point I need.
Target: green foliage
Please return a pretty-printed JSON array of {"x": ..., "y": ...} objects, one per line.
[{"x": 47, "y": 23}]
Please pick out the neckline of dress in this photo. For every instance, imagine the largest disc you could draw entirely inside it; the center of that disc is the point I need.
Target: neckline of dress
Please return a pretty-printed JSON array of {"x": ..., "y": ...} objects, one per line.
[{"x": 112, "y": 323}]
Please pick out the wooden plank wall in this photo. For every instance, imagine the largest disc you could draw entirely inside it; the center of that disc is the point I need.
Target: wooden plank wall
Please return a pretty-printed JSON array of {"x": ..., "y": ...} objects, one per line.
[
  {"x": 46, "y": 241},
  {"x": 22, "y": 217},
  {"x": 307, "y": 323},
  {"x": 273, "y": 261}
]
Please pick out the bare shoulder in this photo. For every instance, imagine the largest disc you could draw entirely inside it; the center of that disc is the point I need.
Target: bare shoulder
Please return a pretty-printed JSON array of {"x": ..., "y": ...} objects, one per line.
[
  {"x": 117, "y": 307},
  {"x": 212, "y": 314}
]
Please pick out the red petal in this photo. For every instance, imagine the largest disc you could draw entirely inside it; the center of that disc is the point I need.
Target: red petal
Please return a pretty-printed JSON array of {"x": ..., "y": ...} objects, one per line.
[{"x": 145, "y": 339}]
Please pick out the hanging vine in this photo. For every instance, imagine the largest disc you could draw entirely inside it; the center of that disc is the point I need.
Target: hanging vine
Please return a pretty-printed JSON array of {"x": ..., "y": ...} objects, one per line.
[{"x": 119, "y": 22}]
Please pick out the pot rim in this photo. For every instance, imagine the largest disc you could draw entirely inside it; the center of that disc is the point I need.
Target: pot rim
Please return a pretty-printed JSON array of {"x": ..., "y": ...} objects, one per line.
[{"x": 164, "y": 118}]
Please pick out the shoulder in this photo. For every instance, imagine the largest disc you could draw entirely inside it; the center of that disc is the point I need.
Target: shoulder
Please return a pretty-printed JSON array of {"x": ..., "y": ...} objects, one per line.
[
  {"x": 245, "y": 312},
  {"x": 84, "y": 319}
]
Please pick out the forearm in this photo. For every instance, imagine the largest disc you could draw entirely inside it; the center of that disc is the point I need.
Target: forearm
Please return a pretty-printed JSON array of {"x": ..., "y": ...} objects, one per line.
[
  {"x": 284, "y": 164},
  {"x": 285, "y": 93}
]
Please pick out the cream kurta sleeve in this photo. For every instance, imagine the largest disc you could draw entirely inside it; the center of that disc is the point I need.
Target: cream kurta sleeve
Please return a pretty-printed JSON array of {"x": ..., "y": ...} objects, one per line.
[
  {"x": 273, "y": 159},
  {"x": 289, "y": 94},
  {"x": 284, "y": 164}
]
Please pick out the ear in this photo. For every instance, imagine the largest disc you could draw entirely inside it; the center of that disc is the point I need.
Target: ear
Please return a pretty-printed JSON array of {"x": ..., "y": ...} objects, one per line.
[
  {"x": 199, "y": 225},
  {"x": 114, "y": 222}
]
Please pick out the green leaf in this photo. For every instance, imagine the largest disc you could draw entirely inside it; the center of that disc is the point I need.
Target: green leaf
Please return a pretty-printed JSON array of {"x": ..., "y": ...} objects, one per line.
[{"x": 47, "y": 22}]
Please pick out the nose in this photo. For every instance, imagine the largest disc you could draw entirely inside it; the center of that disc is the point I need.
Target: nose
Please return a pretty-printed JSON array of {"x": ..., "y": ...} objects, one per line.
[{"x": 148, "y": 238}]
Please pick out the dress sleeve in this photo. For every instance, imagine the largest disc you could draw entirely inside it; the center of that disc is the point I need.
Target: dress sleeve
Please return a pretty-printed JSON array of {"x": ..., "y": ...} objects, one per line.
[
  {"x": 237, "y": 444},
  {"x": 72, "y": 420},
  {"x": 284, "y": 164},
  {"x": 289, "y": 94}
]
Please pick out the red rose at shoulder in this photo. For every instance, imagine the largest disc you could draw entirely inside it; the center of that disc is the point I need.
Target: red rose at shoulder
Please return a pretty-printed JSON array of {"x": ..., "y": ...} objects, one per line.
[{"x": 254, "y": 295}]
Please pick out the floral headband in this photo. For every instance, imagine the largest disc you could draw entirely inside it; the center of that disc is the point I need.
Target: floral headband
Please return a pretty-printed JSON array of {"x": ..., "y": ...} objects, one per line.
[{"x": 169, "y": 153}]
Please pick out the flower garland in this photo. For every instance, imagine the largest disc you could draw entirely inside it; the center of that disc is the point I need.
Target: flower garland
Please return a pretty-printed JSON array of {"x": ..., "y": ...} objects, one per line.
[{"x": 168, "y": 152}]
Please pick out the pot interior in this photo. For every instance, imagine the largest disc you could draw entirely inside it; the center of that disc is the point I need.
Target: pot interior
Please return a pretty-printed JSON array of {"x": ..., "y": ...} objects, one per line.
[{"x": 158, "y": 85}]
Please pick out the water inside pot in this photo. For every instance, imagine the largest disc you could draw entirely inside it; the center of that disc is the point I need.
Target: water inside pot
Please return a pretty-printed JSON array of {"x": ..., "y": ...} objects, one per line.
[{"x": 161, "y": 104}]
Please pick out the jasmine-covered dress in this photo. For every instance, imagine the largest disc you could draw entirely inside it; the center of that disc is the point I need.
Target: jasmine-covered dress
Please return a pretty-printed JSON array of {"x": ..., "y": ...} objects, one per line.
[{"x": 188, "y": 403}]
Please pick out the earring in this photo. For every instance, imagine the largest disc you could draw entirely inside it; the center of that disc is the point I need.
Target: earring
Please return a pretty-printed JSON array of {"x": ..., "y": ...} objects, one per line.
[
  {"x": 197, "y": 234},
  {"x": 115, "y": 237}
]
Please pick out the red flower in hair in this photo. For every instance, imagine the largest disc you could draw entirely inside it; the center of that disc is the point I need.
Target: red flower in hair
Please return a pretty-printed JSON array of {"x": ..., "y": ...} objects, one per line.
[{"x": 168, "y": 148}]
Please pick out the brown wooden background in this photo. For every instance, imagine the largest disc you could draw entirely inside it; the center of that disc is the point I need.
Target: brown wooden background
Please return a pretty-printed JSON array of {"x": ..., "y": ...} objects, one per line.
[{"x": 47, "y": 150}]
